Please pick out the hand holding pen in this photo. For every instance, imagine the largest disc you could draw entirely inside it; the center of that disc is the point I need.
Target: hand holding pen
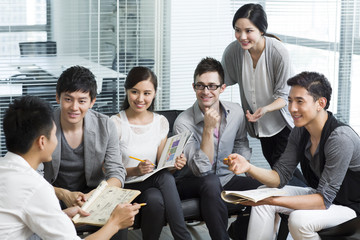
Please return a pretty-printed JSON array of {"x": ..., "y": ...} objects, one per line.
[{"x": 145, "y": 166}]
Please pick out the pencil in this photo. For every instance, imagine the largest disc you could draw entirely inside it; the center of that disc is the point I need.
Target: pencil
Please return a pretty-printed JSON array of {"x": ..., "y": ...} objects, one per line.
[
  {"x": 142, "y": 204},
  {"x": 226, "y": 159},
  {"x": 139, "y": 159}
]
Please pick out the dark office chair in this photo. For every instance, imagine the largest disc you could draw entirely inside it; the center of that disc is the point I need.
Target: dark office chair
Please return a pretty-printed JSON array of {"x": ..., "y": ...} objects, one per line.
[
  {"x": 349, "y": 230},
  {"x": 37, "y": 48}
]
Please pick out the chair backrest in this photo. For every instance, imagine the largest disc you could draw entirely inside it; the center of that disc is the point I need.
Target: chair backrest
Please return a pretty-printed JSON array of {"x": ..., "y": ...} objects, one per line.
[
  {"x": 37, "y": 48},
  {"x": 171, "y": 116}
]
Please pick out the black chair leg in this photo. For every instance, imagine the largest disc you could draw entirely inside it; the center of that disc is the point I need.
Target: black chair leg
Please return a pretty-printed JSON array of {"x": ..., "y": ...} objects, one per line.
[{"x": 283, "y": 229}]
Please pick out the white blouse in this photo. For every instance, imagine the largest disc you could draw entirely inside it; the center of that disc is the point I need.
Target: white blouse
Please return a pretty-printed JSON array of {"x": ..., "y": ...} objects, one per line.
[
  {"x": 259, "y": 92},
  {"x": 140, "y": 141}
]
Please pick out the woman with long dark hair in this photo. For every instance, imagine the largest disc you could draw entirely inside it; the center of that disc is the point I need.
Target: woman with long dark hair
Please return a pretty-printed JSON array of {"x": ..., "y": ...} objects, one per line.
[{"x": 143, "y": 134}]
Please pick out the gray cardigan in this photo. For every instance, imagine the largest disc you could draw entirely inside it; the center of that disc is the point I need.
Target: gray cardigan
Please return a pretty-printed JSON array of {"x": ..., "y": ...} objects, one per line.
[
  {"x": 279, "y": 69},
  {"x": 101, "y": 150}
]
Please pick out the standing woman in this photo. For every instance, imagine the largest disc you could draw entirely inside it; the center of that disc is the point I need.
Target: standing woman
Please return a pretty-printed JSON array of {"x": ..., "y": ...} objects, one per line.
[
  {"x": 142, "y": 134},
  {"x": 260, "y": 64}
]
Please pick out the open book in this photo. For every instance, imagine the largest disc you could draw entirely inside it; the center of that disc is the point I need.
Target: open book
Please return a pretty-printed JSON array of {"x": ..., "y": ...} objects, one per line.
[
  {"x": 174, "y": 146},
  {"x": 254, "y": 195},
  {"x": 102, "y": 202}
]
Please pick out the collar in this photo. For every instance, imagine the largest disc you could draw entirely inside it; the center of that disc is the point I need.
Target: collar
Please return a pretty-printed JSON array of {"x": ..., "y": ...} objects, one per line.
[{"x": 17, "y": 159}]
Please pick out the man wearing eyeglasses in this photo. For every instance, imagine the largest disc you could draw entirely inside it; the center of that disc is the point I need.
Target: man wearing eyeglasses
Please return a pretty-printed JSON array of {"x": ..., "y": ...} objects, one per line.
[{"x": 218, "y": 129}]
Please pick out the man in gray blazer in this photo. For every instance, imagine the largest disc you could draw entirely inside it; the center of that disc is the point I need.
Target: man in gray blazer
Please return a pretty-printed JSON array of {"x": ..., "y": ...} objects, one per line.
[{"x": 88, "y": 147}]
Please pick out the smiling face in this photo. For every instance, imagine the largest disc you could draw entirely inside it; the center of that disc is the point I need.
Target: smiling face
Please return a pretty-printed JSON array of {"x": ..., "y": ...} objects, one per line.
[
  {"x": 303, "y": 107},
  {"x": 141, "y": 96},
  {"x": 248, "y": 35},
  {"x": 209, "y": 98},
  {"x": 74, "y": 106}
]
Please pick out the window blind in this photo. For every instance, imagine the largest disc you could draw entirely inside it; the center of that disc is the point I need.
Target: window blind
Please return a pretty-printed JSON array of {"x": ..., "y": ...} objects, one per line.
[
  {"x": 42, "y": 38},
  {"x": 170, "y": 37},
  {"x": 321, "y": 36}
]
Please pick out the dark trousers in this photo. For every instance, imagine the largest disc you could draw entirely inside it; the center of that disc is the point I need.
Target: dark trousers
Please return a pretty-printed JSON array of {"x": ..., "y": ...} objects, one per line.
[
  {"x": 163, "y": 204},
  {"x": 240, "y": 183},
  {"x": 273, "y": 147},
  {"x": 212, "y": 207}
]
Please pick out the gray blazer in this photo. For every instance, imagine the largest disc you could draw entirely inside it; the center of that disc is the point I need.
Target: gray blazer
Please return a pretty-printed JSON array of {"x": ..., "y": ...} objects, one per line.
[{"x": 101, "y": 150}]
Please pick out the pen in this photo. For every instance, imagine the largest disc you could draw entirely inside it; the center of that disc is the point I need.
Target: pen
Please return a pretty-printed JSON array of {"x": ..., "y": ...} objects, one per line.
[{"x": 139, "y": 159}]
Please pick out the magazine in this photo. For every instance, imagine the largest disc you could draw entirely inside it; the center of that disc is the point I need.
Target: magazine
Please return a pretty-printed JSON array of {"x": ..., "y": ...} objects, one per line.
[
  {"x": 102, "y": 202},
  {"x": 174, "y": 146}
]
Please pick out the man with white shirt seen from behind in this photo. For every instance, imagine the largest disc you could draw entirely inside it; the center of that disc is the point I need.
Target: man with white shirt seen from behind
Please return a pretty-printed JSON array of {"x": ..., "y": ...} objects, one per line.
[{"x": 28, "y": 204}]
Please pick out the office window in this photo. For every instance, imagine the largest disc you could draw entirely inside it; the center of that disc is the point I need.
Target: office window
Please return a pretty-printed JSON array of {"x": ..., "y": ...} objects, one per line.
[
  {"x": 21, "y": 21},
  {"x": 321, "y": 36},
  {"x": 41, "y": 38},
  {"x": 170, "y": 37}
]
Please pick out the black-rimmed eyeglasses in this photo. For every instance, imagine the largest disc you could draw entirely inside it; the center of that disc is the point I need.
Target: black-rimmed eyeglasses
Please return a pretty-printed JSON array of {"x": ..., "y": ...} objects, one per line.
[{"x": 211, "y": 87}]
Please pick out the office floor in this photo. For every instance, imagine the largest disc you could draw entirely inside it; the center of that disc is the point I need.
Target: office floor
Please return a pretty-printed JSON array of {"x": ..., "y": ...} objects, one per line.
[{"x": 198, "y": 232}]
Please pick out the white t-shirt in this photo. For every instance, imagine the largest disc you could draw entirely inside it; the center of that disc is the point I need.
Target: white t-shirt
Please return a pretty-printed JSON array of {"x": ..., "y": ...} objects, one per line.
[
  {"x": 28, "y": 204},
  {"x": 140, "y": 141}
]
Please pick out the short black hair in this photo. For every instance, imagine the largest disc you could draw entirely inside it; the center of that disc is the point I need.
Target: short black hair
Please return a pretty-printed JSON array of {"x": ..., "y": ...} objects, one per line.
[
  {"x": 26, "y": 119},
  {"x": 315, "y": 83},
  {"x": 77, "y": 78},
  {"x": 136, "y": 75},
  {"x": 209, "y": 64}
]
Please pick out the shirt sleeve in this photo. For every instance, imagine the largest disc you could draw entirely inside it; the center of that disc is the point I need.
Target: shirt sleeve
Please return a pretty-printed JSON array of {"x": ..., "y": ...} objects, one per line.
[
  {"x": 282, "y": 70},
  {"x": 287, "y": 163},
  {"x": 164, "y": 127},
  {"x": 231, "y": 62},
  {"x": 117, "y": 122},
  {"x": 339, "y": 149},
  {"x": 113, "y": 165},
  {"x": 43, "y": 215},
  {"x": 197, "y": 160}
]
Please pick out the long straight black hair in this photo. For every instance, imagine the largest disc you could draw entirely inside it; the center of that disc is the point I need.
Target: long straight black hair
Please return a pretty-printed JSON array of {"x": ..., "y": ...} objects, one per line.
[{"x": 256, "y": 14}]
